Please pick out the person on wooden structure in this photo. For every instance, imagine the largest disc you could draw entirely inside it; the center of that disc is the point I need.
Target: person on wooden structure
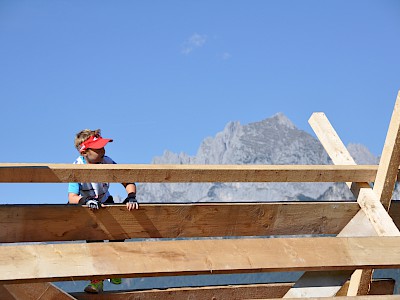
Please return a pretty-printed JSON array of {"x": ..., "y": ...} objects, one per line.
[{"x": 90, "y": 146}]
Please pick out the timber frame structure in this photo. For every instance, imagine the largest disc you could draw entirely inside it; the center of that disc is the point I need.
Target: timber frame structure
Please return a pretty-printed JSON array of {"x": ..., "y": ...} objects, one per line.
[{"x": 336, "y": 244}]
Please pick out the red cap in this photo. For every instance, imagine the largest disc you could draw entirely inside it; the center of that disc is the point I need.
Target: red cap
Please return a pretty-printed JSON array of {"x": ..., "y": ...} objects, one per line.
[{"x": 94, "y": 142}]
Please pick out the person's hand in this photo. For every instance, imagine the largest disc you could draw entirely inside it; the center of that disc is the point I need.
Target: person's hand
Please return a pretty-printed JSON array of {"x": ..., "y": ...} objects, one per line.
[
  {"x": 131, "y": 202},
  {"x": 91, "y": 202}
]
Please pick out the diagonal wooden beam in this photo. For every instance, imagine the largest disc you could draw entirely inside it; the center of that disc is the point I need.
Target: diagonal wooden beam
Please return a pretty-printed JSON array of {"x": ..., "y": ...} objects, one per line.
[
  {"x": 390, "y": 159},
  {"x": 334, "y": 146}
]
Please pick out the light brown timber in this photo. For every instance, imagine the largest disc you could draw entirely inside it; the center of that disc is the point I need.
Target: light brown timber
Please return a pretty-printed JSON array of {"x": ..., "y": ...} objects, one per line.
[
  {"x": 14, "y": 172},
  {"x": 54, "y": 262},
  {"x": 390, "y": 159},
  {"x": 334, "y": 146},
  {"x": 41, "y": 223},
  {"x": 36, "y": 223}
]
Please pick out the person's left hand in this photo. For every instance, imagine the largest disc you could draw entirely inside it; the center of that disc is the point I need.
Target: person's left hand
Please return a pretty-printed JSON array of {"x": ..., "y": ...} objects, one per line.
[{"x": 131, "y": 202}]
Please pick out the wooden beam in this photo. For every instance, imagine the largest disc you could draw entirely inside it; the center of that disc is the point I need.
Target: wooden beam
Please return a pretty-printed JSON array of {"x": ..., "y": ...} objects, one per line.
[
  {"x": 244, "y": 291},
  {"x": 376, "y": 213},
  {"x": 54, "y": 262},
  {"x": 334, "y": 146},
  {"x": 35, "y": 291},
  {"x": 39, "y": 223},
  {"x": 184, "y": 173},
  {"x": 390, "y": 159},
  {"x": 360, "y": 282}
]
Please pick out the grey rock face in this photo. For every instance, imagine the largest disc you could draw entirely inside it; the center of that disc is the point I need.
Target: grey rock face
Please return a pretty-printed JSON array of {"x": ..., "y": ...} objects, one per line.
[{"x": 275, "y": 140}]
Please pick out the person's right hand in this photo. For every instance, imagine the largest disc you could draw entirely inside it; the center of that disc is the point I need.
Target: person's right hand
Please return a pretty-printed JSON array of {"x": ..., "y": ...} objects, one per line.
[{"x": 93, "y": 204}]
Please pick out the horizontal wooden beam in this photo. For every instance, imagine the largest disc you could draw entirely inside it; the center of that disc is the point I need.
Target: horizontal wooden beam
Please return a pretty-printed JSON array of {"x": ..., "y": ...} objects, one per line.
[
  {"x": 244, "y": 291},
  {"x": 41, "y": 223},
  {"x": 38, "y": 223},
  {"x": 185, "y": 173},
  {"x": 55, "y": 262}
]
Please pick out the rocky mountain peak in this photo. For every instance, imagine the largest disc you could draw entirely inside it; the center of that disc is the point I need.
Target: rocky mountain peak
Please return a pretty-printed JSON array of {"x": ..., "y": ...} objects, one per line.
[
  {"x": 274, "y": 140},
  {"x": 280, "y": 120}
]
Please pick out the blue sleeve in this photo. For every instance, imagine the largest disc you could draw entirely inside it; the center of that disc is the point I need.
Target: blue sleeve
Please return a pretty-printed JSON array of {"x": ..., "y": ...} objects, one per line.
[{"x": 74, "y": 187}]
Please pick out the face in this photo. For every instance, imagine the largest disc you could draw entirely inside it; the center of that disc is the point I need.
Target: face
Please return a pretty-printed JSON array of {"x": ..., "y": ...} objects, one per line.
[{"x": 94, "y": 156}]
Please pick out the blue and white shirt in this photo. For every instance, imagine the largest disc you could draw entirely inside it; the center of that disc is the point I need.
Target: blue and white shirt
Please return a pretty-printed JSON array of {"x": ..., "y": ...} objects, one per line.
[{"x": 94, "y": 189}]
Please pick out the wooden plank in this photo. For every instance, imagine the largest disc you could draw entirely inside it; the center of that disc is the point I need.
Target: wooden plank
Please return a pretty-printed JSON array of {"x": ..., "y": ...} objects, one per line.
[
  {"x": 330, "y": 140},
  {"x": 334, "y": 146},
  {"x": 35, "y": 291},
  {"x": 184, "y": 173},
  {"x": 390, "y": 159},
  {"x": 376, "y": 213},
  {"x": 246, "y": 291},
  {"x": 38, "y": 223},
  {"x": 360, "y": 282},
  {"x": 54, "y": 262}
]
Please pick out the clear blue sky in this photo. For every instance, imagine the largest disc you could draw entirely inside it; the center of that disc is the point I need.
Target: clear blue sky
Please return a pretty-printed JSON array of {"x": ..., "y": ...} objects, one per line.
[{"x": 158, "y": 75}]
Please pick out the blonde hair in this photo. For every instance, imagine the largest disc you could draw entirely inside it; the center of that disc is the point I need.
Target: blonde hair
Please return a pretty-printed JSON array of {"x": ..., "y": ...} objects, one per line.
[{"x": 84, "y": 135}]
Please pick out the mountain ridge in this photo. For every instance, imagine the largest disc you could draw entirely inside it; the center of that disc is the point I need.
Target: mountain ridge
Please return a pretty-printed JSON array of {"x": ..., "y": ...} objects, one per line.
[{"x": 274, "y": 140}]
